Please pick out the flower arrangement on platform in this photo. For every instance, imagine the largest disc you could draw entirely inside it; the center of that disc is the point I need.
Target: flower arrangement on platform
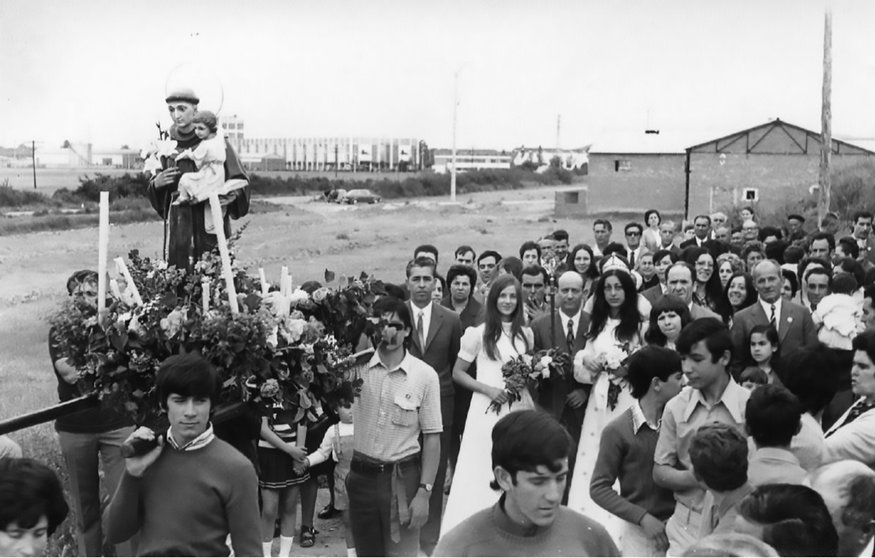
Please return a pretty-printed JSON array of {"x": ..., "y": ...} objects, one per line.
[
  {"x": 297, "y": 344},
  {"x": 527, "y": 370}
]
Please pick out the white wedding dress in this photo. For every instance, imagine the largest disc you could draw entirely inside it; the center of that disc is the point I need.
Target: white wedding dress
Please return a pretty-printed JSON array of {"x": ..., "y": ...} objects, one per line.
[
  {"x": 598, "y": 415},
  {"x": 470, "y": 490}
]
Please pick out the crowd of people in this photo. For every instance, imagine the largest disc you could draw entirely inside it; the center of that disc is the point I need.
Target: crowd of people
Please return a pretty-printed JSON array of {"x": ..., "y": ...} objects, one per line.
[{"x": 721, "y": 401}]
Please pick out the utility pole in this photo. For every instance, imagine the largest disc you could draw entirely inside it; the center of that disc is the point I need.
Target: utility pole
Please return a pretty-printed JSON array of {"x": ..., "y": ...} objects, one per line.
[
  {"x": 558, "y": 128},
  {"x": 455, "y": 115},
  {"x": 335, "y": 158},
  {"x": 33, "y": 160},
  {"x": 823, "y": 200}
]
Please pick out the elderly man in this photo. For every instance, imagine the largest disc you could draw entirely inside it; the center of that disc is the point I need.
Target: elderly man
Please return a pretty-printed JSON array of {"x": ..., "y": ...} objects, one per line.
[
  {"x": 666, "y": 236},
  {"x": 679, "y": 282},
  {"x": 793, "y": 322},
  {"x": 564, "y": 398},
  {"x": 188, "y": 235}
]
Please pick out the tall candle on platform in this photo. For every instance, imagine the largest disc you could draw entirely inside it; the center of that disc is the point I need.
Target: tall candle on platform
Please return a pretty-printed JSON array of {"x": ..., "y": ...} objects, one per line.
[
  {"x": 264, "y": 286},
  {"x": 114, "y": 289},
  {"x": 205, "y": 294},
  {"x": 284, "y": 274},
  {"x": 132, "y": 288},
  {"x": 102, "y": 247},
  {"x": 219, "y": 226}
]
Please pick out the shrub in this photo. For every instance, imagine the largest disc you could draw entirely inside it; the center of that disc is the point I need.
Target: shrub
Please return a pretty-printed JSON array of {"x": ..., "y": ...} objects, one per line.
[{"x": 10, "y": 197}]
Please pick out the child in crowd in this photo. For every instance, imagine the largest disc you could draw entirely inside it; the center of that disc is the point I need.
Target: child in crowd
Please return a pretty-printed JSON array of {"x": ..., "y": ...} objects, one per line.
[
  {"x": 763, "y": 348},
  {"x": 773, "y": 417},
  {"x": 718, "y": 453},
  {"x": 626, "y": 452},
  {"x": 839, "y": 316},
  {"x": 279, "y": 450},
  {"x": 338, "y": 444},
  {"x": 209, "y": 157}
]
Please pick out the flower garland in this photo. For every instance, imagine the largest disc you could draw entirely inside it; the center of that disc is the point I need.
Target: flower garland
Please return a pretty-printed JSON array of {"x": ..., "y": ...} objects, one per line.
[{"x": 299, "y": 346}]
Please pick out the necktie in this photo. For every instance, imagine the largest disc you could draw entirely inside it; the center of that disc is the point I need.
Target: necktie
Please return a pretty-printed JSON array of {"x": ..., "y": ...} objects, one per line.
[
  {"x": 569, "y": 336},
  {"x": 420, "y": 331},
  {"x": 632, "y": 259},
  {"x": 772, "y": 318},
  {"x": 857, "y": 409}
]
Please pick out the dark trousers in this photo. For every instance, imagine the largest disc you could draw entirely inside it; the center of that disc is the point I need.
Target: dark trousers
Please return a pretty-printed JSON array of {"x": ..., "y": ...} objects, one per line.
[
  {"x": 370, "y": 501},
  {"x": 572, "y": 420},
  {"x": 428, "y": 537}
]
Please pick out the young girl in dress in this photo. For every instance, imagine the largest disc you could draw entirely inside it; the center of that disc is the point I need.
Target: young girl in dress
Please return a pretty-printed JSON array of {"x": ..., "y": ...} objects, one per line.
[
  {"x": 615, "y": 332},
  {"x": 279, "y": 449},
  {"x": 763, "y": 342},
  {"x": 209, "y": 157},
  {"x": 338, "y": 443},
  {"x": 502, "y": 337}
]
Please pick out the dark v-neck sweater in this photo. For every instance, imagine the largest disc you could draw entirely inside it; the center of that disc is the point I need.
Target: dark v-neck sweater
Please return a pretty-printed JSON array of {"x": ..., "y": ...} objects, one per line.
[{"x": 491, "y": 532}]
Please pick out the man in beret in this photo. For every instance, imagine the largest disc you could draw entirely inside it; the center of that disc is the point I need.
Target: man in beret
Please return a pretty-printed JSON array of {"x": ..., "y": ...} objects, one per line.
[{"x": 187, "y": 236}]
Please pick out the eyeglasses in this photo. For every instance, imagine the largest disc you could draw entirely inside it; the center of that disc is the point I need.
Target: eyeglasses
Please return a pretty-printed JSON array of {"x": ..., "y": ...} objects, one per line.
[{"x": 631, "y": 233}]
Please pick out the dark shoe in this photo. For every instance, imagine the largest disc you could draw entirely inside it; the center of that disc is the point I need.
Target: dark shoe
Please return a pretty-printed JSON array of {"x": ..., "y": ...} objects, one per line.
[
  {"x": 327, "y": 512},
  {"x": 308, "y": 537}
]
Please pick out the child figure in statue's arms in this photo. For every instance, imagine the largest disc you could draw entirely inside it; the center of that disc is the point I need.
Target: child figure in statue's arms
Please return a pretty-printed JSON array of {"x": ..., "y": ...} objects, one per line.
[{"x": 209, "y": 157}]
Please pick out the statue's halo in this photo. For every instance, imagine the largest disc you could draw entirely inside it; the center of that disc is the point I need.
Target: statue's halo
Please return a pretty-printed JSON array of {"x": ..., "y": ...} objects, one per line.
[{"x": 201, "y": 79}]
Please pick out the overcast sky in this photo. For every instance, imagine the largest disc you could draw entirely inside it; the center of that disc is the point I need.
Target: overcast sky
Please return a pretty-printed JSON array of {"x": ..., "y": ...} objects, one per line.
[{"x": 97, "y": 70}]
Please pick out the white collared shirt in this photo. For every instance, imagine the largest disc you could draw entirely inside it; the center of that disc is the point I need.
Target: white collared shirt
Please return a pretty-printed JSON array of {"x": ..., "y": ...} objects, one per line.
[
  {"x": 202, "y": 440},
  {"x": 563, "y": 317},
  {"x": 639, "y": 420},
  {"x": 767, "y": 308},
  {"x": 426, "y": 317}
]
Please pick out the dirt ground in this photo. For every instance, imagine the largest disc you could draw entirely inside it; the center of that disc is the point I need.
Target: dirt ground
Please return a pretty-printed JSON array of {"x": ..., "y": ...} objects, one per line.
[{"x": 306, "y": 236}]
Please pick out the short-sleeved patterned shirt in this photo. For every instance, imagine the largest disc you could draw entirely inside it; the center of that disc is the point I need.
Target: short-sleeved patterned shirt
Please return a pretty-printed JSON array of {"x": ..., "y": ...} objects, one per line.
[
  {"x": 395, "y": 407},
  {"x": 683, "y": 415}
]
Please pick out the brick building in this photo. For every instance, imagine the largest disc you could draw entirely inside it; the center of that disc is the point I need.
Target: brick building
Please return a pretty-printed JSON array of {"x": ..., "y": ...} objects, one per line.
[{"x": 767, "y": 164}]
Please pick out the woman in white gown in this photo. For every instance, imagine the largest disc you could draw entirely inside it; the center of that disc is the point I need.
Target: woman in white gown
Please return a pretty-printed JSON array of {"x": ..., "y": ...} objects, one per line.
[
  {"x": 502, "y": 337},
  {"x": 615, "y": 333}
]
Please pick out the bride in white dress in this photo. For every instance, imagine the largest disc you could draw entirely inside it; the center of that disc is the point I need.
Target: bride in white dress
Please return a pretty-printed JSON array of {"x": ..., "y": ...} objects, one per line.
[
  {"x": 499, "y": 339},
  {"x": 615, "y": 333}
]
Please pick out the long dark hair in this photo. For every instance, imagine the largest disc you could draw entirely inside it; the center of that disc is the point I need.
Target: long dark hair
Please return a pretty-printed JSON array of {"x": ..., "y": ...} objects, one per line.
[
  {"x": 630, "y": 319},
  {"x": 667, "y": 303},
  {"x": 713, "y": 287},
  {"x": 593, "y": 271},
  {"x": 492, "y": 330},
  {"x": 726, "y": 309}
]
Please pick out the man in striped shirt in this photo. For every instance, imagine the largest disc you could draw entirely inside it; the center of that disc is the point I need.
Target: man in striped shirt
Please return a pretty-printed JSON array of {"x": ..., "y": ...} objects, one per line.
[{"x": 390, "y": 480}]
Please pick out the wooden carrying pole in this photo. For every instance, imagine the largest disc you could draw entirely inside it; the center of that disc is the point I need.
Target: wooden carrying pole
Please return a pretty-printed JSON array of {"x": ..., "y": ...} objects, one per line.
[{"x": 823, "y": 201}]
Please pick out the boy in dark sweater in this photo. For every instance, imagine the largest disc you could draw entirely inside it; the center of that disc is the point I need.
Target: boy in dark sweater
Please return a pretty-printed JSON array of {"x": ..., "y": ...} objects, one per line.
[
  {"x": 192, "y": 490},
  {"x": 626, "y": 452},
  {"x": 530, "y": 463}
]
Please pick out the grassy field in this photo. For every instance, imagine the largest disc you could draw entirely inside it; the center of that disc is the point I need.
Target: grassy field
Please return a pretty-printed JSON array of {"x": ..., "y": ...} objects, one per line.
[
  {"x": 49, "y": 180},
  {"x": 307, "y": 236}
]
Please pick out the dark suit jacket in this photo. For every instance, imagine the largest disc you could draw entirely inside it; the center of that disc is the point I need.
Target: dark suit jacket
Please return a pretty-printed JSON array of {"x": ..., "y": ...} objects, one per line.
[
  {"x": 652, "y": 294},
  {"x": 690, "y": 242},
  {"x": 795, "y": 330},
  {"x": 441, "y": 344},
  {"x": 552, "y": 392},
  {"x": 472, "y": 315}
]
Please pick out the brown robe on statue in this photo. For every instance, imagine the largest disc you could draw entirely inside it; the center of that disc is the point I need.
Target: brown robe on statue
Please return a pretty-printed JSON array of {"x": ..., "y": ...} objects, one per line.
[{"x": 186, "y": 236}]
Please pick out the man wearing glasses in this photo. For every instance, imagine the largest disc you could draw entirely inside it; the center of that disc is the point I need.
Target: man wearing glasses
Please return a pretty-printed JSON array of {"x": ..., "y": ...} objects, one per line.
[
  {"x": 391, "y": 475},
  {"x": 633, "y": 242}
]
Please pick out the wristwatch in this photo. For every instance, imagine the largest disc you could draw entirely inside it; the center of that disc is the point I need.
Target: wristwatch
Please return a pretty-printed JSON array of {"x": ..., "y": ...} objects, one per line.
[{"x": 427, "y": 486}]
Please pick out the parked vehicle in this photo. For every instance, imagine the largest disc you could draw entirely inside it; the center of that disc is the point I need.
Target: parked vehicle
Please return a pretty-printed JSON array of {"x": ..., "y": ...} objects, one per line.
[
  {"x": 360, "y": 196},
  {"x": 336, "y": 195}
]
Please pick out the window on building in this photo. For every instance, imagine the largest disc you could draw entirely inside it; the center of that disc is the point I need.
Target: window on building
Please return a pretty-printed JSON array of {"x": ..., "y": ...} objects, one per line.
[{"x": 622, "y": 165}]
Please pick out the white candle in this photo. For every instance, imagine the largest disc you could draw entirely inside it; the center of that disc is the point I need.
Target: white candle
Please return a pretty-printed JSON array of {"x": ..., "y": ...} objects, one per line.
[
  {"x": 218, "y": 224},
  {"x": 102, "y": 247},
  {"x": 264, "y": 286},
  {"x": 113, "y": 288},
  {"x": 284, "y": 273},
  {"x": 287, "y": 285},
  {"x": 205, "y": 294},
  {"x": 132, "y": 288}
]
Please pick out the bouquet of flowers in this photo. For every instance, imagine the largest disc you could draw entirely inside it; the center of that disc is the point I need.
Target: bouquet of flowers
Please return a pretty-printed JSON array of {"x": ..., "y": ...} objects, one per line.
[
  {"x": 527, "y": 370},
  {"x": 299, "y": 346},
  {"x": 614, "y": 362}
]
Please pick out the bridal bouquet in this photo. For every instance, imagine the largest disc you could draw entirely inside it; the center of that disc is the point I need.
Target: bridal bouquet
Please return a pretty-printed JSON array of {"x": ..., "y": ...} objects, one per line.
[
  {"x": 614, "y": 362},
  {"x": 526, "y": 370}
]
